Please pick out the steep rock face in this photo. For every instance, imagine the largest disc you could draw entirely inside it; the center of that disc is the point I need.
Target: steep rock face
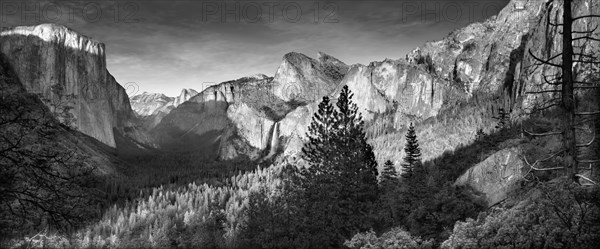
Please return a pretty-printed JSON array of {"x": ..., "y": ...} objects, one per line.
[
  {"x": 56, "y": 62},
  {"x": 545, "y": 41},
  {"x": 94, "y": 153},
  {"x": 301, "y": 78},
  {"x": 496, "y": 176},
  {"x": 294, "y": 127},
  {"x": 394, "y": 85},
  {"x": 253, "y": 126},
  {"x": 478, "y": 57}
]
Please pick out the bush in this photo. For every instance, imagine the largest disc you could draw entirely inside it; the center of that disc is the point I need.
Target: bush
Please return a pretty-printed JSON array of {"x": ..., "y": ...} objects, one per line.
[
  {"x": 394, "y": 239},
  {"x": 560, "y": 215}
]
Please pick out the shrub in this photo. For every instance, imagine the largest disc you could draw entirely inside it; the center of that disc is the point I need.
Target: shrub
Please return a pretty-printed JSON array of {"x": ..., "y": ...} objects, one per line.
[
  {"x": 560, "y": 215},
  {"x": 393, "y": 239}
]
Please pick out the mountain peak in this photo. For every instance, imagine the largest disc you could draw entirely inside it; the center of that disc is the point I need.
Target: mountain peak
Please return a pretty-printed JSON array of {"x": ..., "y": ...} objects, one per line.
[
  {"x": 296, "y": 58},
  {"x": 326, "y": 58},
  {"x": 188, "y": 91},
  {"x": 185, "y": 95},
  {"x": 55, "y": 33}
]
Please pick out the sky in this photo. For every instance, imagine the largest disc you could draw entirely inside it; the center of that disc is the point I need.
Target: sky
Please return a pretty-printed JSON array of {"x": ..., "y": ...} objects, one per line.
[{"x": 167, "y": 45}]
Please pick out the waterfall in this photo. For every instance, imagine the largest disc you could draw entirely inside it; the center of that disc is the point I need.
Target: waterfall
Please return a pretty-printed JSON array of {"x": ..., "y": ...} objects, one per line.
[{"x": 274, "y": 144}]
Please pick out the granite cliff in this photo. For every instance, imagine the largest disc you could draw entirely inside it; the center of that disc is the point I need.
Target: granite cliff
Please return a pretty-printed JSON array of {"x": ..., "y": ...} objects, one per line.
[{"x": 69, "y": 69}]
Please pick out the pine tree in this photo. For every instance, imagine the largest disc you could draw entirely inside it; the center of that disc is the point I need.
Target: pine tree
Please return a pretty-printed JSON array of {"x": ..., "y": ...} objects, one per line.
[
  {"x": 341, "y": 183},
  {"x": 389, "y": 197},
  {"x": 389, "y": 173},
  {"x": 412, "y": 159}
]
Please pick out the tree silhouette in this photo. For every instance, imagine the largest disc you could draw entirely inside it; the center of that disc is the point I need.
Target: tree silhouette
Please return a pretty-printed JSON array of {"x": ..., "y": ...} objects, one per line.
[
  {"x": 412, "y": 160},
  {"x": 340, "y": 183},
  {"x": 44, "y": 183},
  {"x": 389, "y": 172}
]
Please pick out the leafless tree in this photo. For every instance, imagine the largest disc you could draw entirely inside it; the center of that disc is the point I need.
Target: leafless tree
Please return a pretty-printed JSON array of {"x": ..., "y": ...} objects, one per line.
[
  {"x": 44, "y": 181},
  {"x": 574, "y": 80}
]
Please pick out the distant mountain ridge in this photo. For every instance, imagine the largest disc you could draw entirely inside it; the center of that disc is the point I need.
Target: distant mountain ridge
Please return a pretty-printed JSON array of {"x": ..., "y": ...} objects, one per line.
[{"x": 152, "y": 107}]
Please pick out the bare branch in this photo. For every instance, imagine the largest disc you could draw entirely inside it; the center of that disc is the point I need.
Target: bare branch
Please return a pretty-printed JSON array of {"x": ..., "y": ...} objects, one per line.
[
  {"x": 546, "y": 62},
  {"x": 585, "y": 178},
  {"x": 585, "y": 83},
  {"x": 544, "y": 91},
  {"x": 585, "y": 55},
  {"x": 555, "y": 24},
  {"x": 533, "y": 167},
  {"x": 586, "y": 16},
  {"x": 543, "y": 134},
  {"x": 590, "y": 62},
  {"x": 589, "y": 143},
  {"x": 586, "y": 32},
  {"x": 588, "y": 113},
  {"x": 553, "y": 82},
  {"x": 586, "y": 38}
]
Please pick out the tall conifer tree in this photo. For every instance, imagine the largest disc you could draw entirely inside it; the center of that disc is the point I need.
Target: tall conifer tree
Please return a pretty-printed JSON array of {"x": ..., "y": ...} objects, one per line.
[
  {"x": 340, "y": 183},
  {"x": 412, "y": 159}
]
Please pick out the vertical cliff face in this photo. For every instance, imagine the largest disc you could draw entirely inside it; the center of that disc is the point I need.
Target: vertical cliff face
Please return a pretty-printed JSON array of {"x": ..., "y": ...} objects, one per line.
[
  {"x": 56, "y": 62},
  {"x": 301, "y": 78},
  {"x": 479, "y": 56},
  {"x": 545, "y": 41},
  {"x": 395, "y": 86}
]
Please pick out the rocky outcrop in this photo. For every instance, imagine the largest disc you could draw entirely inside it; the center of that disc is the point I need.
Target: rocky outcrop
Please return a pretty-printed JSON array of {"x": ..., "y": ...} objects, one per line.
[
  {"x": 496, "y": 176},
  {"x": 69, "y": 69}
]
